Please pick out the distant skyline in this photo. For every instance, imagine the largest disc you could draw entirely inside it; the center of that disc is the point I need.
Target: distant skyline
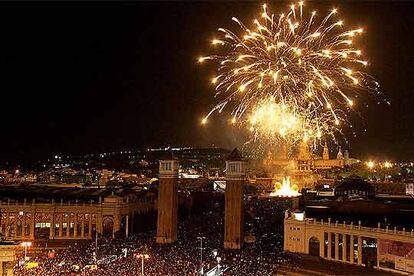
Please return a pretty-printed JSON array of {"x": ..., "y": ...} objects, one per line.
[{"x": 91, "y": 77}]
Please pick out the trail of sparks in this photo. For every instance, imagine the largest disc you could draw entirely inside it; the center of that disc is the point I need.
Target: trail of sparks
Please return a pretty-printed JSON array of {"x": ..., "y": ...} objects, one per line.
[{"x": 291, "y": 76}]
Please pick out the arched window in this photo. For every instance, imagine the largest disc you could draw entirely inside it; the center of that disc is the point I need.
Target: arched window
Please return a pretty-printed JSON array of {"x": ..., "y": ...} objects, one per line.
[{"x": 108, "y": 226}]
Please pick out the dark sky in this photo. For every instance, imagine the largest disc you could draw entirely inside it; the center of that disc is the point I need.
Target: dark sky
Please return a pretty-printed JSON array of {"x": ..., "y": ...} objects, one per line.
[{"x": 87, "y": 77}]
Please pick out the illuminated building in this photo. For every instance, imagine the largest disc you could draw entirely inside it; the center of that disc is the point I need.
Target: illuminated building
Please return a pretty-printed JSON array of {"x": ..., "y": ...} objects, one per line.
[
  {"x": 301, "y": 164},
  {"x": 42, "y": 212},
  {"x": 7, "y": 257},
  {"x": 384, "y": 248},
  {"x": 304, "y": 160},
  {"x": 409, "y": 189}
]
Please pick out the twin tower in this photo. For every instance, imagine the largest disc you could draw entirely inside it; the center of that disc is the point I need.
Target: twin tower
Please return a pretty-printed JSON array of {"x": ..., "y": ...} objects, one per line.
[{"x": 168, "y": 200}]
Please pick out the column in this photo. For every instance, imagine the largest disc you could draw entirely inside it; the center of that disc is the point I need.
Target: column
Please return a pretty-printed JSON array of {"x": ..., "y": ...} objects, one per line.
[
  {"x": 60, "y": 225},
  {"x": 378, "y": 253},
  {"x": 127, "y": 226},
  {"x": 90, "y": 226},
  {"x": 7, "y": 233},
  {"x": 23, "y": 226},
  {"x": 117, "y": 224},
  {"x": 351, "y": 249},
  {"x": 322, "y": 245},
  {"x": 359, "y": 250},
  {"x": 329, "y": 245},
  {"x": 83, "y": 225},
  {"x": 344, "y": 245},
  {"x": 99, "y": 222},
  {"x": 15, "y": 223},
  {"x": 68, "y": 226},
  {"x": 336, "y": 246},
  {"x": 75, "y": 226},
  {"x": 132, "y": 222},
  {"x": 32, "y": 225},
  {"x": 52, "y": 226}
]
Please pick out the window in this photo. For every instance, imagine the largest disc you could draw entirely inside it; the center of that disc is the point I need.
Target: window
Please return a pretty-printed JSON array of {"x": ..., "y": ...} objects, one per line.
[
  {"x": 166, "y": 166},
  {"x": 234, "y": 167},
  {"x": 42, "y": 225}
]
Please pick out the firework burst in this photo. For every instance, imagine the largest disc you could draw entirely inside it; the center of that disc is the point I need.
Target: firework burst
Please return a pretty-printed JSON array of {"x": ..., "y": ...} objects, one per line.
[{"x": 290, "y": 76}]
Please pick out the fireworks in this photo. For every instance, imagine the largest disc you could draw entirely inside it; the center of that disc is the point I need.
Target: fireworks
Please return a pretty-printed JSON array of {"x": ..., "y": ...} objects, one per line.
[
  {"x": 275, "y": 121},
  {"x": 290, "y": 76},
  {"x": 285, "y": 189}
]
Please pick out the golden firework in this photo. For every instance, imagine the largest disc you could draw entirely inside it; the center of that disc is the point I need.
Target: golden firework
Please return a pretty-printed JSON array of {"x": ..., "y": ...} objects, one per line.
[{"x": 291, "y": 76}]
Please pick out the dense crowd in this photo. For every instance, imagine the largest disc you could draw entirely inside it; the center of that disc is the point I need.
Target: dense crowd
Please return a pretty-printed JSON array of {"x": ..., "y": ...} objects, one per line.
[{"x": 263, "y": 219}]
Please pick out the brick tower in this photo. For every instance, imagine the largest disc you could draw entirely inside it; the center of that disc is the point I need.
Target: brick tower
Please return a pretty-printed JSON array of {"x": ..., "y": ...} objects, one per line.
[
  {"x": 233, "y": 218},
  {"x": 167, "y": 199}
]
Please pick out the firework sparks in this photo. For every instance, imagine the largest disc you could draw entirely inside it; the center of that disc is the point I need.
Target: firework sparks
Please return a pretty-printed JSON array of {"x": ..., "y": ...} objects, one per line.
[
  {"x": 285, "y": 189},
  {"x": 275, "y": 121},
  {"x": 292, "y": 75}
]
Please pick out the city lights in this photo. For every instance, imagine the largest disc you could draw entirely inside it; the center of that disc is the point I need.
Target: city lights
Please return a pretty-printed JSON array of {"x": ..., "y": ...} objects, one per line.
[
  {"x": 142, "y": 256},
  {"x": 25, "y": 245},
  {"x": 370, "y": 164},
  {"x": 162, "y": 139}
]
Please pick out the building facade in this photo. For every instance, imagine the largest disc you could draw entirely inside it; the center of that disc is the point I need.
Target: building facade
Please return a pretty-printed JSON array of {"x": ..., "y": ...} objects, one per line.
[
  {"x": 304, "y": 160},
  {"x": 7, "y": 258},
  {"x": 354, "y": 187},
  {"x": 409, "y": 189},
  {"x": 40, "y": 216},
  {"x": 383, "y": 248}
]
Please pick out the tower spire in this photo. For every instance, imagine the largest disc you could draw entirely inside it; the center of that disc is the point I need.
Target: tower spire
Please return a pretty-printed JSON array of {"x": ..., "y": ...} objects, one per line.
[
  {"x": 325, "y": 153},
  {"x": 340, "y": 155}
]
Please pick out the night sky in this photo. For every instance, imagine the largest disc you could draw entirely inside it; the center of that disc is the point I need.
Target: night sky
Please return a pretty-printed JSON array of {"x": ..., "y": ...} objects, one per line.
[{"x": 90, "y": 77}]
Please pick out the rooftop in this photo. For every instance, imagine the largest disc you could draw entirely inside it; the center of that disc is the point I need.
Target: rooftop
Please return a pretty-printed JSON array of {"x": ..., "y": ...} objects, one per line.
[
  {"x": 235, "y": 155},
  {"x": 44, "y": 193}
]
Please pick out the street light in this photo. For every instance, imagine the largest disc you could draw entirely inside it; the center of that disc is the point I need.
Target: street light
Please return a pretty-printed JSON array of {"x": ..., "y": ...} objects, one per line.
[
  {"x": 218, "y": 265},
  {"x": 218, "y": 259},
  {"x": 370, "y": 164},
  {"x": 201, "y": 254},
  {"x": 387, "y": 164},
  {"x": 142, "y": 256},
  {"x": 25, "y": 245}
]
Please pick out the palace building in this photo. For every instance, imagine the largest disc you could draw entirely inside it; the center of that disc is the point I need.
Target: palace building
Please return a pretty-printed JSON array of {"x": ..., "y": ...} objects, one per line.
[
  {"x": 304, "y": 159},
  {"x": 44, "y": 212},
  {"x": 301, "y": 164}
]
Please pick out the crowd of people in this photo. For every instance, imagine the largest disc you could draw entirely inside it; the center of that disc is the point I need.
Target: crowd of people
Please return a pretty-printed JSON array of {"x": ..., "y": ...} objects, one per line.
[{"x": 263, "y": 220}]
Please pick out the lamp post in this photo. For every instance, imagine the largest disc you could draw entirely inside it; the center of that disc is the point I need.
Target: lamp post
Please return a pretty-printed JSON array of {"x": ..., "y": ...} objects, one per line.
[
  {"x": 201, "y": 254},
  {"x": 218, "y": 266},
  {"x": 142, "y": 256},
  {"x": 96, "y": 246},
  {"x": 25, "y": 245},
  {"x": 218, "y": 259}
]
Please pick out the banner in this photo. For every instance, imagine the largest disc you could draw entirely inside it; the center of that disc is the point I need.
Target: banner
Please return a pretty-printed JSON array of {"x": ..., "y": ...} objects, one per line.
[{"x": 396, "y": 255}]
